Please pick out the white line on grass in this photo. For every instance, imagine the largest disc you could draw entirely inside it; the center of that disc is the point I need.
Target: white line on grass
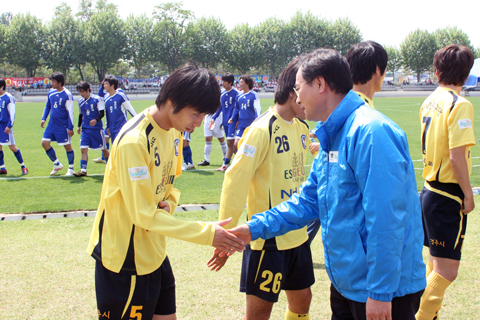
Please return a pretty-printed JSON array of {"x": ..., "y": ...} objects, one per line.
[{"x": 48, "y": 177}]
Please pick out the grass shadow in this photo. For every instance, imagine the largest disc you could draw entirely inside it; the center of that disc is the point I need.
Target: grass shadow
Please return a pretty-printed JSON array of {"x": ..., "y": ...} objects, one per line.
[{"x": 319, "y": 266}]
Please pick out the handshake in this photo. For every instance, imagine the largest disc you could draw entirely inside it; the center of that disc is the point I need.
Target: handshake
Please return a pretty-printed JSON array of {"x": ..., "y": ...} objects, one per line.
[{"x": 227, "y": 242}]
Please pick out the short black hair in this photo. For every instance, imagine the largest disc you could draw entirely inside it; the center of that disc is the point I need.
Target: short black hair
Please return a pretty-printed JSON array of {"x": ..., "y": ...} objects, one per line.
[
  {"x": 59, "y": 77},
  {"x": 84, "y": 86},
  {"x": 453, "y": 64},
  {"x": 3, "y": 84},
  {"x": 112, "y": 80},
  {"x": 364, "y": 58},
  {"x": 331, "y": 65},
  {"x": 191, "y": 86},
  {"x": 248, "y": 80},
  {"x": 228, "y": 77},
  {"x": 286, "y": 81}
]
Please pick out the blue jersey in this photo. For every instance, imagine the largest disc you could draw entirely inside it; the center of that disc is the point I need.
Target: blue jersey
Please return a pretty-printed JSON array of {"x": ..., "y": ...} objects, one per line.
[
  {"x": 102, "y": 93},
  {"x": 227, "y": 103},
  {"x": 7, "y": 109},
  {"x": 60, "y": 107},
  {"x": 116, "y": 107},
  {"x": 90, "y": 110},
  {"x": 247, "y": 109}
]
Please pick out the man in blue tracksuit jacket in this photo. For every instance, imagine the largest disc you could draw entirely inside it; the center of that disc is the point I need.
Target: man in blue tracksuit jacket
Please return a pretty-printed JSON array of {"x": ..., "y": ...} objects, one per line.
[{"x": 362, "y": 186}]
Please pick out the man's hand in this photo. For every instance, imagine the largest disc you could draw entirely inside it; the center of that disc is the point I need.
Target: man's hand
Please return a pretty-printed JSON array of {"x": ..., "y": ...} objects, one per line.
[
  {"x": 226, "y": 241},
  {"x": 79, "y": 130},
  {"x": 217, "y": 261},
  {"x": 164, "y": 206},
  {"x": 242, "y": 232},
  {"x": 7, "y": 130},
  {"x": 230, "y": 121},
  {"x": 378, "y": 310},
  {"x": 314, "y": 147},
  {"x": 42, "y": 123},
  {"x": 108, "y": 131},
  {"x": 93, "y": 123},
  {"x": 70, "y": 133},
  {"x": 468, "y": 204}
]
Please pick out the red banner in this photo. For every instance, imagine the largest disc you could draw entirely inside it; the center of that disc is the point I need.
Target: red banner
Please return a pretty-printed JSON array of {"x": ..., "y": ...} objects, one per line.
[{"x": 25, "y": 82}]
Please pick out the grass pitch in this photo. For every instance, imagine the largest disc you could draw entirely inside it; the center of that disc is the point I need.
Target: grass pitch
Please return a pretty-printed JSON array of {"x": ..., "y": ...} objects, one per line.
[{"x": 38, "y": 192}]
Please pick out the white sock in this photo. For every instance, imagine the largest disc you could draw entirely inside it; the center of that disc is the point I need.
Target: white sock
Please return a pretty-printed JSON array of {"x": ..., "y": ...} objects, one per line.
[
  {"x": 224, "y": 147},
  {"x": 208, "y": 150}
]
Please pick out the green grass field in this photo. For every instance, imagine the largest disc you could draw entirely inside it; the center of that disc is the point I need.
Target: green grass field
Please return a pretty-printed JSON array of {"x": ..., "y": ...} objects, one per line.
[
  {"x": 40, "y": 193},
  {"x": 46, "y": 273}
]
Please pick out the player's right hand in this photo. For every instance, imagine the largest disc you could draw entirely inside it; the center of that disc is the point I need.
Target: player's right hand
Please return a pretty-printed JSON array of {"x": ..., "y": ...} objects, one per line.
[
  {"x": 230, "y": 121},
  {"x": 217, "y": 261},
  {"x": 468, "y": 204},
  {"x": 225, "y": 240},
  {"x": 42, "y": 123}
]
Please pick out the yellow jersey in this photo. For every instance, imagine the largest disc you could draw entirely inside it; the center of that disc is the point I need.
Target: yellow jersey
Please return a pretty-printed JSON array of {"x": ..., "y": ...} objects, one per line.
[
  {"x": 267, "y": 169},
  {"x": 368, "y": 101},
  {"x": 447, "y": 123},
  {"x": 129, "y": 231}
]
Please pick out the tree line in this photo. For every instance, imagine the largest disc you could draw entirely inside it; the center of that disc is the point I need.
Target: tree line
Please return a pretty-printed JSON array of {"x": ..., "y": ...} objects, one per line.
[{"x": 95, "y": 40}]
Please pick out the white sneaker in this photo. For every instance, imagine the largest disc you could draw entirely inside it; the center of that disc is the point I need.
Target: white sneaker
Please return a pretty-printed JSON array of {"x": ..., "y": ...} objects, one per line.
[
  {"x": 187, "y": 166},
  {"x": 56, "y": 169},
  {"x": 69, "y": 173},
  {"x": 99, "y": 160}
]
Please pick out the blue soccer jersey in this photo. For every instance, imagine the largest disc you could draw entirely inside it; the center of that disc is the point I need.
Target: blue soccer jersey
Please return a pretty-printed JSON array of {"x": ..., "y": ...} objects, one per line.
[
  {"x": 60, "y": 107},
  {"x": 102, "y": 93},
  {"x": 116, "y": 107},
  {"x": 90, "y": 110},
  {"x": 227, "y": 102},
  {"x": 247, "y": 109},
  {"x": 7, "y": 110}
]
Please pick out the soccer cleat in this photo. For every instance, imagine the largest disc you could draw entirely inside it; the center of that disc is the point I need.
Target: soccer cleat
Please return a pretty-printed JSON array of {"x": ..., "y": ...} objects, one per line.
[
  {"x": 187, "y": 166},
  {"x": 56, "y": 169},
  {"x": 3, "y": 171},
  {"x": 24, "y": 171},
  {"x": 80, "y": 174},
  {"x": 99, "y": 160},
  {"x": 204, "y": 163},
  {"x": 223, "y": 168},
  {"x": 70, "y": 173}
]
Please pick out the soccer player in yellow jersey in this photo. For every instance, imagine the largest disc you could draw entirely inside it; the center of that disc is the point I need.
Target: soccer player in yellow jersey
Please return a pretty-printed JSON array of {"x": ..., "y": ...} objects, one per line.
[
  {"x": 368, "y": 62},
  {"x": 268, "y": 168},
  {"x": 133, "y": 277},
  {"x": 447, "y": 136}
]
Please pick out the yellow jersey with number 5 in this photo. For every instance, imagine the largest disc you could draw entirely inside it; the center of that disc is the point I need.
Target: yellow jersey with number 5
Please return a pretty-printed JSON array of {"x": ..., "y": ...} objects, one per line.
[{"x": 447, "y": 123}]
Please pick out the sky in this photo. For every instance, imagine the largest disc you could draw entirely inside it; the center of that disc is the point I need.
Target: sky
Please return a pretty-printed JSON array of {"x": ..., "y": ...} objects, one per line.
[{"x": 387, "y": 22}]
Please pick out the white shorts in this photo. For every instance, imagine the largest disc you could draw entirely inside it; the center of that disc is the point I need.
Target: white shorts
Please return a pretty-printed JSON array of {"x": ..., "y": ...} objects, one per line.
[{"x": 218, "y": 131}]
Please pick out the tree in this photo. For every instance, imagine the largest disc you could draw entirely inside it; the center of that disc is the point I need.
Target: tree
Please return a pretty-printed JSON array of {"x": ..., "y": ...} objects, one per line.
[
  {"x": 276, "y": 44},
  {"x": 105, "y": 38},
  {"x": 342, "y": 34},
  {"x": 140, "y": 43},
  {"x": 64, "y": 42},
  {"x": 6, "y": 18},
  {"x": 207, "y": 42},
  {"x": 245, "y": 50},
  {"x": 452, "y": 35},
  {"x": 170, "y": 33},
  {"x": 418, "y": 50},
  {"x": 308, "y": 32},
  {"x": 394, "y": 60},
  {"x": 24, "y": 39},
  {"x": 85, "y": 11},
  {"x": 2, "y": 43}
]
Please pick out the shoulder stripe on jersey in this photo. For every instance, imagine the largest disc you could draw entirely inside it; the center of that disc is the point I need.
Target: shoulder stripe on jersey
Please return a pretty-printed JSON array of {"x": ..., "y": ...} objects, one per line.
[
  {"x": 260, "y": 117},
  {"x": 130, "y": 129},
  {"x": 270, "y": 127},
  {"x": 303, "y": 121},
  {"x": 455, "y": 99},
  {"x": 147, "y": 132}
]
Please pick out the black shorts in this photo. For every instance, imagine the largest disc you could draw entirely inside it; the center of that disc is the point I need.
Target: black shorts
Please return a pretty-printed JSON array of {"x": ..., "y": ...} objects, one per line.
[
  {"x": 124, "y": 296},
  {"x": 266, "y": 272},
  {"x": 444, "y": 223}
]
